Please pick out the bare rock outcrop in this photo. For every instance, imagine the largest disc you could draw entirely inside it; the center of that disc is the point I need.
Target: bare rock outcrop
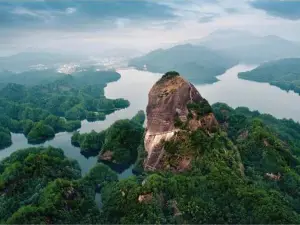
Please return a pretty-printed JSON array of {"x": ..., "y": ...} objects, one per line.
[{"x": 174, "y": 105}]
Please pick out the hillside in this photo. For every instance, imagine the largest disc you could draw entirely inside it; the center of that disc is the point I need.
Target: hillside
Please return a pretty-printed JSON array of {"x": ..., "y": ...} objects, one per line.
[
  {"x": 211, "y": 165},
  {"x": 197, "y": 64},
  {"x": 248, "y": 48},
  {"x": 284, "y": 73}
]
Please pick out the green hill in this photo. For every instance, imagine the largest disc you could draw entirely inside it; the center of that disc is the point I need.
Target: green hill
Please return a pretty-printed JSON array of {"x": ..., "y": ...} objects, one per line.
[
  {"x": 284, "y": 73},
  {"x": 197, "y": 64}
]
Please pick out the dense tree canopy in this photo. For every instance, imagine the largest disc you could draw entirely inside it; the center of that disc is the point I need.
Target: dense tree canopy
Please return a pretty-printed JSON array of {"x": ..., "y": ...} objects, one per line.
[
  {"x": 40, "y": 185},
  {"x": 40, "y": 133},
  {"x": 5, "y": 138},
  {"x": 59, "y": 103},
  {"x": 284, "y": 73},
  {"x": 244, "y": 172},
  {"x": 118, "y": 144}
]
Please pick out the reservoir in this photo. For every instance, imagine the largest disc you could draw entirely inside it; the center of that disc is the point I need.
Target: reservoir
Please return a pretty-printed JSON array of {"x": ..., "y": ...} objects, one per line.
[{"x": 134, "y": 86}]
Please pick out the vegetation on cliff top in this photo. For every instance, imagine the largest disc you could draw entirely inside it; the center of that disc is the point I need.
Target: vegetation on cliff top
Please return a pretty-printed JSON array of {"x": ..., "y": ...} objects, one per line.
[{"x": 167, "y": 76}]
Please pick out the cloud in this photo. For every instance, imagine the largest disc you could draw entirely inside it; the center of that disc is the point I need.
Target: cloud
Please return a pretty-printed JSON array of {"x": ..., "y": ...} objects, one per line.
[
  {"x": 70, "y": 10},
  {"x": 209, "y": 17},
  {"x": 288, "y": 9},
  {"x": 74, "y": 13},
  {"x": 94, "y": 26}
]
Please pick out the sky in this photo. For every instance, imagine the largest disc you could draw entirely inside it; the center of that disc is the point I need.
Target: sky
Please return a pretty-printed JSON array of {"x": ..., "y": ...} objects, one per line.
[{"x": 99, "y": 26}]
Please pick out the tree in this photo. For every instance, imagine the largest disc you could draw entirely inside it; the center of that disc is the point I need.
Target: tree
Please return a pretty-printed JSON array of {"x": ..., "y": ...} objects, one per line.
[{"x": 40, "y": 133}]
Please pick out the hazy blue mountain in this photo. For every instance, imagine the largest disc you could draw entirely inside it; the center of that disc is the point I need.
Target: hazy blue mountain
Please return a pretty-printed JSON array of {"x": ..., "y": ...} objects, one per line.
[
  {"x": 284, "y": 73},
  {"x": 24, "y": 60},
  {"x": 248, "y": 48},
  {"x": 196, "y": 63}
]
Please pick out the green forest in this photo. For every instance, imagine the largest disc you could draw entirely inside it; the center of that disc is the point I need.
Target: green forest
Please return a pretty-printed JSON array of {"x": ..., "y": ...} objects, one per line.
[
  {"x": 41, "y": 110},
  {"x": 247, "y": 171},
  {"x": 283, "y": 73},
  {"x": 116, "y": 145}
]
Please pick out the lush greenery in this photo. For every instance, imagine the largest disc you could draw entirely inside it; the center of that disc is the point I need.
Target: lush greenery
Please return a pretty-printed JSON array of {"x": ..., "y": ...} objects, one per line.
[
  {"x": 58, "y": 105},
  {"x": 118, "y": 144},
  {"x": 99, "y": 176},
  {"x": 196, "y": 63},
  {"x": 268, "y": 146},
  {"x": 202, "y": 108},
  {"x": 40, "y": 185},
  {"x": 284, "y": 73},
  {"x": 40, "y": 132},
  {"x": 168, "y": 75},
  {"x": 252, "y": 178},
  {"x": 246, "y": 171},
  {"x": 5, "y": 138},
  {"x": 89, "y": 143},
  {"x": 286, "y": 129}
]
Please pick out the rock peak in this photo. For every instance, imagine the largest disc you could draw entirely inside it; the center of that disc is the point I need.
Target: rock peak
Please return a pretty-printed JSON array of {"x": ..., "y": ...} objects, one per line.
[{"x": 174, "y": 105}]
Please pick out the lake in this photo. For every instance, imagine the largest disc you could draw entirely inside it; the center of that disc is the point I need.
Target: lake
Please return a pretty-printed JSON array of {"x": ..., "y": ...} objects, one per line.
[{"x": 134, "y": 86}]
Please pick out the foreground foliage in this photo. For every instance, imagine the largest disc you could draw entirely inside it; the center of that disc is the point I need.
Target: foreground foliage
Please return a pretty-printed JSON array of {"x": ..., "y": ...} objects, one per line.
[
  {"x": 245, "y": 171},
  {"x": 40, "y": 185}
]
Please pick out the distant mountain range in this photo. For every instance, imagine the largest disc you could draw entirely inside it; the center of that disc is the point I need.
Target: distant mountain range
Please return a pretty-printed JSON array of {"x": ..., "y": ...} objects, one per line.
[
  {"x": 24, "y": 60},
  {"x": 249, "y": 48},
  {"x": 204, "y": 59},
  {"x": 196, "y": 63}
]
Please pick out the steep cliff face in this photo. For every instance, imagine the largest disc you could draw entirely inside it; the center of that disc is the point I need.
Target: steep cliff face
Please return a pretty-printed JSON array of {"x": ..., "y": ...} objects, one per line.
[{"x": 175, "y": 106}]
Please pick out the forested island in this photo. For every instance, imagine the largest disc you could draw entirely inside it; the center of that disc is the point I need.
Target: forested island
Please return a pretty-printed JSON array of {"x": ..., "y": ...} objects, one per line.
[
  {"x": 283, "y": 73},
  {"x": 40, "y": 111},
  {"x": 117, "y": 145}
]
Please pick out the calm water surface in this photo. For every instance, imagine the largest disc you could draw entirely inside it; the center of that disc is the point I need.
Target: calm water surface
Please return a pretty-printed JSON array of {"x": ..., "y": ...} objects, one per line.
[
  {"x": 256, "y": 96},
  {"x": 134, "y": 85}
]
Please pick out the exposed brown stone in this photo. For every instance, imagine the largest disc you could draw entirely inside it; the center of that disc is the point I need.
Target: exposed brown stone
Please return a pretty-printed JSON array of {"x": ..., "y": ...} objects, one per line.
[
  {"x": 273, "y": 176},
  {"x": 175, "y": 208},
  {"x": 184, "y": 164},
  {"x": 106, "y": 156},
  {"x": 168, "y": 102},
  {"x": 168, "y": 99},
  {"x": 244, "y": 135},
  {"x": 145, "y": 198},
  {"x": 266, "y": 143}
]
